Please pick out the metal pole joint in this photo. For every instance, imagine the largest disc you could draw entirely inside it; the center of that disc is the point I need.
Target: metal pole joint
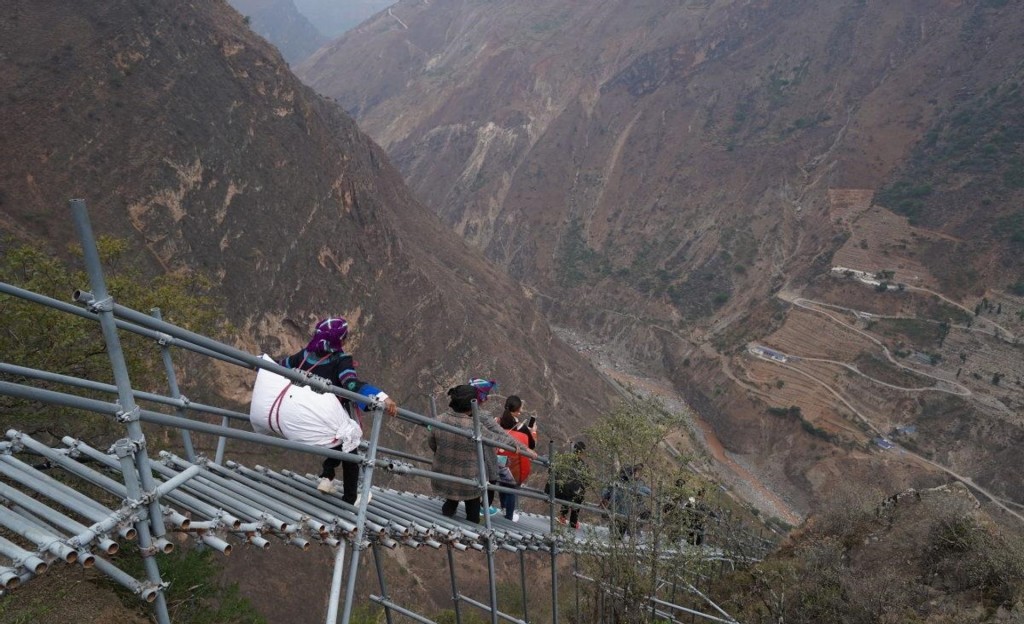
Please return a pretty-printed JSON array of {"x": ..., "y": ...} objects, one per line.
[
  {"x": 127, "y": 447},
  {"x": 103, "y": 305},
  {"x": 150, "y": 551},
  {"x": 124, "y": 447},
  {"x": 132, "y": 415},
  {"x": 149, "y": 585}
]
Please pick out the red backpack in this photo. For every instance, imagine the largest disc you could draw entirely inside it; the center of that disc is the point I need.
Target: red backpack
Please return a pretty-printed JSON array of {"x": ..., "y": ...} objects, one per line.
[{"x": 520, "y": 465}]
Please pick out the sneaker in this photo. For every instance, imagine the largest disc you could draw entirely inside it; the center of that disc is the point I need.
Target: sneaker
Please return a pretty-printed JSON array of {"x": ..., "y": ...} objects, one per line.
[
  {"x": 576, "y": 526},
  {"x": 359, "y": 497},
  {"x": 562, "y": 520},
  {"x": 491, "y": 511},
  {"x": 325, "y": 486},
  {"x": 515, "y": 516}
]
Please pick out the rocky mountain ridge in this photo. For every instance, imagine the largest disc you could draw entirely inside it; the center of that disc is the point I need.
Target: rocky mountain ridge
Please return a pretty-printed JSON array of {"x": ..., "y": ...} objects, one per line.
[{"x": 334, "y": 18}]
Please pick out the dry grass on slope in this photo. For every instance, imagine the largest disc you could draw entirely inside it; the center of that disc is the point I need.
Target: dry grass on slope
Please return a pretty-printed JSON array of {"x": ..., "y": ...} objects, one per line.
[{"x": 922, "y": 557}]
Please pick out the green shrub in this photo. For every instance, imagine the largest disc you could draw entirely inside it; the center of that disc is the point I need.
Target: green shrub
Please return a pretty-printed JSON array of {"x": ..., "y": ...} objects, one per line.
[{"x": 194, "y": 595}]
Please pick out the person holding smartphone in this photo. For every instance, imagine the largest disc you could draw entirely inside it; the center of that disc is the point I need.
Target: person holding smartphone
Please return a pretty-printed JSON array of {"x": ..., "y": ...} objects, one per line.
[{"x": 515, "y": 466}]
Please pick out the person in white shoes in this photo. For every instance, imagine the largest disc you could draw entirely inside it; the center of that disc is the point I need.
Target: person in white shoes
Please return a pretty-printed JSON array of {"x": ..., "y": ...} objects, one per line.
[{"x": 325, "y": 357}]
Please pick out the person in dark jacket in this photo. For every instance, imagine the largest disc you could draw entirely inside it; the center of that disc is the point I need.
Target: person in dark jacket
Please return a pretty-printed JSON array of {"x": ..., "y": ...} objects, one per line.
[
  {"x": 625, "y": 498},
  {"x": 572, "y": 485},
  {"x": 325, "y": 357},
  {"x": 697, "y": 514}
]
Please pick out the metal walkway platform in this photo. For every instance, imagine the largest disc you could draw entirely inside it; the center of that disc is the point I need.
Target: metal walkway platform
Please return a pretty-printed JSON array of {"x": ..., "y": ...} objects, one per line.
[{"x": 122, "y": 494}]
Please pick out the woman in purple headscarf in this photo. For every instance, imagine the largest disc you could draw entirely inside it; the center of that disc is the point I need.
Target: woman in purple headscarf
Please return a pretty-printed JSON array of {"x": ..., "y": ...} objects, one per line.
[{"x": 325, "y": 357}]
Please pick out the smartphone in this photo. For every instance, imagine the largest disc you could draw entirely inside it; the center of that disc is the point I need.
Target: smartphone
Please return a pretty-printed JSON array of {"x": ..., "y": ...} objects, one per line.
[{"x": 533, "y": 421}]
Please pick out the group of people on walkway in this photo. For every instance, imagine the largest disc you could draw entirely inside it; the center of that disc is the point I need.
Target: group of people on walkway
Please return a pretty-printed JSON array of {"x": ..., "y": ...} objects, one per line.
[
  {"x": 299, "y": 413},
  {"x": 456, "y": 455}
]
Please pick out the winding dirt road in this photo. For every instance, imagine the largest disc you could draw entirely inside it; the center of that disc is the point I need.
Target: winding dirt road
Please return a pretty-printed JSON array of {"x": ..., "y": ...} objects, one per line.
[{"x": 810, "y": 305}]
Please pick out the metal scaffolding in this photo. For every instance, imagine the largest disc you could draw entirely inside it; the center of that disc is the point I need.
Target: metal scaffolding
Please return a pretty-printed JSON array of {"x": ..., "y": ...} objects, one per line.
[{"x": 219, "y": 502}]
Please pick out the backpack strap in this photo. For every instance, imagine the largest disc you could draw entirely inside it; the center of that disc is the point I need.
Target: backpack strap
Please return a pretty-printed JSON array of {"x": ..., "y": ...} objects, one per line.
[{"x": 275, "y": 407}]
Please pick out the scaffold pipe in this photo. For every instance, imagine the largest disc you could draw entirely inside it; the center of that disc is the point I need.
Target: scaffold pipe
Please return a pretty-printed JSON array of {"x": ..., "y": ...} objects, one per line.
[
  {"x": 44, "y": 540},
  {"x": 216, "y": 543},
  {"x": 9, "y": 579},
  {"x": 145, "y": 593},
  {"x": 21, "y": 557},
  {"x": 56, "y": 304},
  {"x": 335, "y": 596}
]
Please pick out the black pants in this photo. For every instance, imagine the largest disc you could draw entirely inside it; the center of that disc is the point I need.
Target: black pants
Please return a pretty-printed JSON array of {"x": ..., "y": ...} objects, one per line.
[
  {"x": 349, "y": 475},
  {"x": 451, "y": 505},
  {"x": 573, "y": 492}
]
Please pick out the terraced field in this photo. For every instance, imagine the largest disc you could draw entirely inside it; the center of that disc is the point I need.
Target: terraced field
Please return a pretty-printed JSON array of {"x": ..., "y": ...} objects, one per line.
[
  {"x": 944, "y": 376},
  {"x": 804, "y": 334}
]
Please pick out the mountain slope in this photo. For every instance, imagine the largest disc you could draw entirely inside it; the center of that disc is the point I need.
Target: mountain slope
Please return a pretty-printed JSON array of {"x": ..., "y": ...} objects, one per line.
[{"x": 670, "y": 176}]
